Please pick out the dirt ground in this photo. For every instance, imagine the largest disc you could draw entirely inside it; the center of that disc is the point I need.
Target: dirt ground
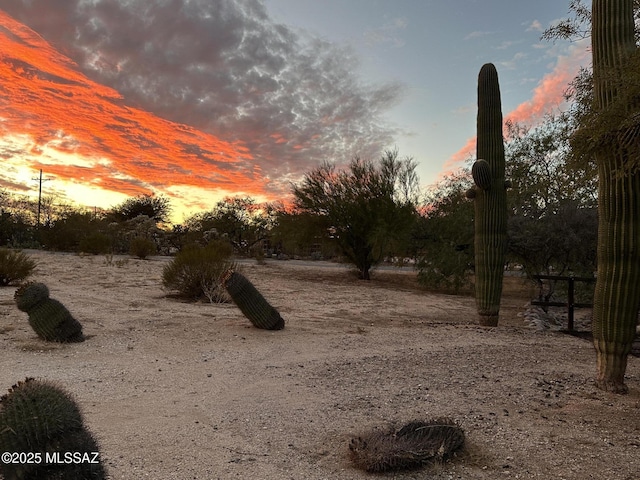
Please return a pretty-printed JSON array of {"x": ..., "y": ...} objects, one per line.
[{"x": 176, "y": 390}]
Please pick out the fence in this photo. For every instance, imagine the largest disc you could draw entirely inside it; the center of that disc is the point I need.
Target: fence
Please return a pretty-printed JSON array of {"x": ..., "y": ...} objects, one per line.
[{"x": 570, "y": 303}]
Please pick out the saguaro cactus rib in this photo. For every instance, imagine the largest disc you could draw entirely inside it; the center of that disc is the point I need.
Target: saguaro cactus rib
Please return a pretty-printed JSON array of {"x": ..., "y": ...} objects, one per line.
[
  {"x": 617, "y": 292},
  {"x": 490, "y": 198}
]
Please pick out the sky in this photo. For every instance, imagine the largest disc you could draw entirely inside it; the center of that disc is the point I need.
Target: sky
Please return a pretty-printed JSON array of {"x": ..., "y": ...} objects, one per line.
[{"x": 201, "y": 99}]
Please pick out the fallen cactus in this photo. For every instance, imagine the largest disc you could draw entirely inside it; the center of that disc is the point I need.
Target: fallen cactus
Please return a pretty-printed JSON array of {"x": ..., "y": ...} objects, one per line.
[{"x": 250, "y": 302}]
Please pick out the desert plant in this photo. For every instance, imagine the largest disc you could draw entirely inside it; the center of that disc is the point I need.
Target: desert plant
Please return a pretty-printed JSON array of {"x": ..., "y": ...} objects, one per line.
[
  {"x": 15, "y": 266},
  {"x": 490, "y": 198},
  {"x": 156, "y": 208},
  {"x": 196, "y": 271},
  {"x": 31, "y": 294},
  {"x": 368, "y": 209},
  {"x": 48, "y": 317},
  {"x": 142, "y": 247},
  {"x": 251, "y": 302},
  {"x": 41, "y": 418},
  {"x": 613, "y": 134},
  {"x": 96, "y": 243},
  {"x": 413, "y": 445}
]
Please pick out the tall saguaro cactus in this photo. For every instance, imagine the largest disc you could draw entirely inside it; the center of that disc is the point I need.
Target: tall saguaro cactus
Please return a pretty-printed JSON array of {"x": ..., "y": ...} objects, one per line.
[
  {"x": 490, "y": 198},
  {"x": 617, "y": 293}
]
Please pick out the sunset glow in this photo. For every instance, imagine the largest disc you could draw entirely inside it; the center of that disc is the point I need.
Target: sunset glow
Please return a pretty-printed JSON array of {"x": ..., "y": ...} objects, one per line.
[
  {"x": 81, "y": 132},
  {"x": 201, "y": 99}
]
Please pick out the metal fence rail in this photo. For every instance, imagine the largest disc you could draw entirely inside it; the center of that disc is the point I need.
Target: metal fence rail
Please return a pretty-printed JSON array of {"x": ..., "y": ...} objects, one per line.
[{"x": 570, "y": 303}]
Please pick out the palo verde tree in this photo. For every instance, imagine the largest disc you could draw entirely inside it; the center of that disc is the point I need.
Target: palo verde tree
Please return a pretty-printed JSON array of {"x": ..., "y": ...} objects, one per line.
[
  {"x": 551, "y": 218},
  {"x": 370, "y": 207},
  {"x": 552, "y": 211},
  {"x": 538, "y": 162}
]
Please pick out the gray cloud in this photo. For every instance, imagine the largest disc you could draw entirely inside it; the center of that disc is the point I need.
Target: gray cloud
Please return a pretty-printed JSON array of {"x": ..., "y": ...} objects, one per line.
[
  {"x": 226, "y": 68},
  {"x": 387, "y": 34}
]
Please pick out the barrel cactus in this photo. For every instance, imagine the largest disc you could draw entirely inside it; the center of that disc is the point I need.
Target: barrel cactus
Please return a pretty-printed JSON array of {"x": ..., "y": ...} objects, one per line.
[
  {"x": 250, "y": 302},
  {"x": 39, "y": 417},
  {"x": 48, "y": 317},
  {"x": 490, "y": 198}
]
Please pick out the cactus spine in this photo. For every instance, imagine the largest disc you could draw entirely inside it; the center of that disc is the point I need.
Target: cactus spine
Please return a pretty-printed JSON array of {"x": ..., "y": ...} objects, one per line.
[
  {"x": 490, "y": 198},
  {"x": 251, "y": 303},
  {"x": 617, "y": 292},
  {"x": 48, "y": 317},
  {"x": 41, "y": 418}
]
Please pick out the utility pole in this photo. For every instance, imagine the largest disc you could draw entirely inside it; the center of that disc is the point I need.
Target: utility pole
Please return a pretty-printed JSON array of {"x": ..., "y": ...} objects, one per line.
[{"x": 40, "y": 194}]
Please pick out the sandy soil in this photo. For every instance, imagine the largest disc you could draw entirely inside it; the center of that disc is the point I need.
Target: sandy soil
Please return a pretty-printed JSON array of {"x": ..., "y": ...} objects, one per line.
[{"x": 177, "y": 390}]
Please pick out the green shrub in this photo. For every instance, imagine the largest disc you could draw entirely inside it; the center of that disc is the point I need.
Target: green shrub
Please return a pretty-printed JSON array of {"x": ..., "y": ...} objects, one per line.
[
  {"x": 196, "y": 272},
  {"x": 142, "y": 247},
  {"x": 15, "y": 266},
  {"x": 96, "y": 243}
]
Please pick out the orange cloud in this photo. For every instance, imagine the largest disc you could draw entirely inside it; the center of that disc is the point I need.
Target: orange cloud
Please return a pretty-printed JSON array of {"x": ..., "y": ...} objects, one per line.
[
  {"x": 458, "y": 158},
  {"x": 82, "y": 131},
  {"x": 547, "y": 96}
]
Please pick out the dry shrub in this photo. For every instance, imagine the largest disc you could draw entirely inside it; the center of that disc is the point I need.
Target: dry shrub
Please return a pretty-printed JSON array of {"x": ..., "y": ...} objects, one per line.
[
  {"x": 415, "y": 444},
  {"x": 15, "y": 266},
  {"x": 142, "y": 247},
  {"x": 196, "y": 272}
]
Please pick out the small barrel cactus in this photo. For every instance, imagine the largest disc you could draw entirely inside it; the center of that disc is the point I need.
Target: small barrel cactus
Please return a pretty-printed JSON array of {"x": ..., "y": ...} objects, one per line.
[
  {"x": 251, "y": 303},
  {"x": 48, "y": 317},
  {"x": 41, "y": 418},
  {"x": 31, "y": 294}
]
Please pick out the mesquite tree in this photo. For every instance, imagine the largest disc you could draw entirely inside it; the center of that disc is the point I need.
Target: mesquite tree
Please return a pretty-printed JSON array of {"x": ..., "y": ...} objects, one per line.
[
  {"x": 490, "y": 198},
  {"x": 614, "y": 132}
]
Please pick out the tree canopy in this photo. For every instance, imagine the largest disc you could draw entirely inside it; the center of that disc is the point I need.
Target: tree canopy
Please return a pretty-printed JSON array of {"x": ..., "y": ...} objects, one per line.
[
  {"x": 369, "y": 207},
  {"x": 157, "y": 208},
  {"x": 240, "y": 219}
]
